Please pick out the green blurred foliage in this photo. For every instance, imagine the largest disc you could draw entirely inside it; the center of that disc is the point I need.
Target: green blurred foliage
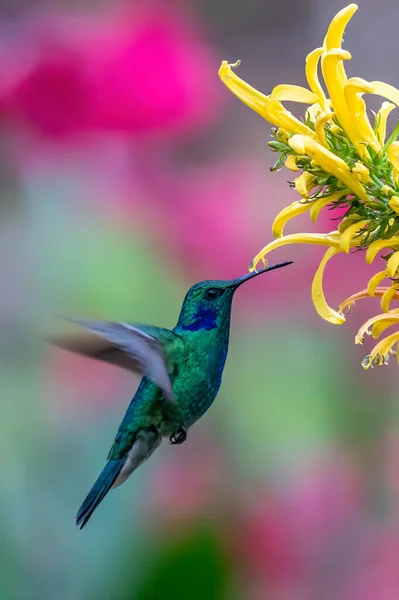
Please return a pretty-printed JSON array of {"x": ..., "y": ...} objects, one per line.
[{"x": 194, "y": 566}]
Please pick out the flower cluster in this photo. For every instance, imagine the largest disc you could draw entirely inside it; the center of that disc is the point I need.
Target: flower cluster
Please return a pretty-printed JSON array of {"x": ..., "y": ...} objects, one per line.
[{"x": 344, "y": 161}]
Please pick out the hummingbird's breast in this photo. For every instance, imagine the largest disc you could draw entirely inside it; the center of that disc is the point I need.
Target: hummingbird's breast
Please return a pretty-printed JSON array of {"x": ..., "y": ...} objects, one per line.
[{"x": 199, "y": 378}]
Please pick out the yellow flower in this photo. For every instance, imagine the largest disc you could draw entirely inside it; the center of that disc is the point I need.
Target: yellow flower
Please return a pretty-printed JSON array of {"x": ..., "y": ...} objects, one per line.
[{"x": 342, "y": 159}]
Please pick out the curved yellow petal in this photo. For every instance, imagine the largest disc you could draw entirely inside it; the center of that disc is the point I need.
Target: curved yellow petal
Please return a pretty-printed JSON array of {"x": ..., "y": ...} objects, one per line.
[
  {"x": 337, "y": 27},
  {"x": 282, "y": 135},
  {"x": 319, "y": 239},
  {"x": 305, "y": 183},
  {"x": 386, "y": 90},
  {"x": 381, "y": 120},
  {"x": 347, "y": 237},
  {"x": 280, "y": 116},
  {"x": 361, "y": 295},
  {"x": 383, "y": 323},
  {"x": 290, "y": 163},
  {"x": 375, "y": 281},
  {"x": 382, "y": 349},
  {"x": 387, "y": 297},
  {"x": 313, "y": 111},
  {"x": 329, "y": 162},
  {"x": 393, "y": 155},
  {"x": 393, "y": 264},
  {"x": 312, "y": 63},
  {"x": 271, "y": 110},
  {"x": 318, "y": 205},
  {"x": 379, "y": 245},
  {"x": 293, "y": 93},
  {"x": 288, "y": 213},
  {"x": 245, "y": 92},
  {"x": 335, "y": 78},
  {"x": 361, "y": 172},
  {"x": 347, "y": 222},
  {"x": 353, "y": 91},
  {"x": 387, "y": 318},
  {"x": 319, "y": 300},
  {"x": 321, "y": 120},
  {"x": 394, "y": 204}
]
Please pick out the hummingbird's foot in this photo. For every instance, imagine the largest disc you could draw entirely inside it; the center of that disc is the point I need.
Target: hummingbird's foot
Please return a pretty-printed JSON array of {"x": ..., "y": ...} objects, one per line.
[{"x": 179, "y": 436}]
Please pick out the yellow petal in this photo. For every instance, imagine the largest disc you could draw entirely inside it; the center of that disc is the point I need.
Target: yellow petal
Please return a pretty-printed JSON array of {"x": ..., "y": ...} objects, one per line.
[
  {"x": 347, "y": 222},
  {"x": 319, "y": 300},
  {"x": 288, "y": 213},
  {"x": 313, "y": 111},
  {"x": 393, "y": 155},
  {"x": 387, "y": 297},
  {"x": 349, "y": 302},
  {"x": 319, "y": 239},
  {"x": 393, "y": 264},
  {"x": 394, "y": 204},
  {"x": 379, "y": 245},
  {"x": 353, "y": 91},
  {"x": 387, "y": 318},
  {"x": 329, "y": 162},
  {"x": 319, "y": 127},
  {"x": 305, "y": 183},
  {"x": 381, "y": 120},
  {"x": 335, "y": 78},
  {"x": 282, "y": 135},
  {"x": 347, "y": 237},
  {"x": 361, "y": 172},
  {"x": 269, "y": 109},
  {"x": 382, "y": 349},
  {"x": 293, "y": 93},
  {"x": 290, "y": 163},
  {"x": 280, "y": 116},
  {"x": 246, "y": 93},
  {"x": 312, "y": 62},
  {"x": 318, "y": 205},
  {"x": 383, "y": 323},
  {"x": 337, "y": 26},
  {"x": 375, "y": 281},
  {"x": 386, "y": 90}
]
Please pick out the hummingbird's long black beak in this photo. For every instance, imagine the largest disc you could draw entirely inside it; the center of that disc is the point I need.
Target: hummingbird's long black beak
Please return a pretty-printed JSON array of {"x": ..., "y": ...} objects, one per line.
[{"x": 237, "y": 282}]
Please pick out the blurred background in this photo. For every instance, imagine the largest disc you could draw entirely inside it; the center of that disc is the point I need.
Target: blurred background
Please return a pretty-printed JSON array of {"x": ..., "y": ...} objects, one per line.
[{"x": 128, "y": 173}]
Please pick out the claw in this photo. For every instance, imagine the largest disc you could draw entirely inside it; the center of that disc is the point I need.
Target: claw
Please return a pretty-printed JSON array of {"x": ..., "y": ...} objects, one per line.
[{"x": 179, "y": 436}]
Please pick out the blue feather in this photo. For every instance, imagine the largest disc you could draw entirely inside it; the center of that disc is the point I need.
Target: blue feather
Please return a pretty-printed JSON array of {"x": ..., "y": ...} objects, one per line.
[
  {"x": 205, "y": 318},
  {"x": 99, "y": 490}
]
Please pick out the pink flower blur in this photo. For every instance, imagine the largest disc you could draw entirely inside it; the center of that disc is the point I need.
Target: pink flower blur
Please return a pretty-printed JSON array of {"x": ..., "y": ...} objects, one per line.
[
  {"x": 92, "y": 384},
  {"x": 126, "y": 73},
  {"x": 288, "y": 530},
  {"x": 377, "y": 568}
]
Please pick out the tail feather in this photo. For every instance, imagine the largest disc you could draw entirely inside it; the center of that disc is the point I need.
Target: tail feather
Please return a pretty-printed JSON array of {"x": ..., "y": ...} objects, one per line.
[
  {"x": 116, "y": 471},
  {"x": 99, "y": 490}
]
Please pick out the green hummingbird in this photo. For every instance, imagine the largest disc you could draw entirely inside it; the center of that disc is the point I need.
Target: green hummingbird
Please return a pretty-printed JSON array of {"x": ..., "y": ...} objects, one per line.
[{"x": 182, "y": 371}]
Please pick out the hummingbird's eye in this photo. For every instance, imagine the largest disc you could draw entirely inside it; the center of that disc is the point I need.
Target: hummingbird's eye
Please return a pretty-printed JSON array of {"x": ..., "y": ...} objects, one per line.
[{"x": 213, "y": 293}]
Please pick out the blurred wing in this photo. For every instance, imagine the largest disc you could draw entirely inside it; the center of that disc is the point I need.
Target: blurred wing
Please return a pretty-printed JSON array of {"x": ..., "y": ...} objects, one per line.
[{"x": 130, "y": 347}]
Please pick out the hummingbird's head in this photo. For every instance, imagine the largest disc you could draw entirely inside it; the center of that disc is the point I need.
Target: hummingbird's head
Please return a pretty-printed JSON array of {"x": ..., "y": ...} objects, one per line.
[{"x": 208, "y": 303}]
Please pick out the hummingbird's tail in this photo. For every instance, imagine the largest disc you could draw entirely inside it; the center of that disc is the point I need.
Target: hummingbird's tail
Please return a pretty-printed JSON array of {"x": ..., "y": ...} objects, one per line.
[
  {"x": 99, "y": 490},
  {"x": 116, "y": 471}
]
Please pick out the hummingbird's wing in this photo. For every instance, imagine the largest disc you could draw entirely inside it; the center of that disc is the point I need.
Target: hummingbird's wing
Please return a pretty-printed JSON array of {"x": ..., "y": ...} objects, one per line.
[{"x": 137, "y": 348}]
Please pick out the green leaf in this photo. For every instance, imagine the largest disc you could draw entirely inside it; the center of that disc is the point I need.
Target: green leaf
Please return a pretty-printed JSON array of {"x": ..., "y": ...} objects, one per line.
[{"x": 193, "y": 566}]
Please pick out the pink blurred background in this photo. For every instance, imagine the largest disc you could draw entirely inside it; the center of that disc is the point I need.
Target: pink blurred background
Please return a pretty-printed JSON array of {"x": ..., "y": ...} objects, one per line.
[{"x": 128, "y": 173}]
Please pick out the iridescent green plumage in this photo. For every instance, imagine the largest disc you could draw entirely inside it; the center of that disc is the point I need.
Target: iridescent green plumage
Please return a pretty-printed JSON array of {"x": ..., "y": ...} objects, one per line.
[{"x": 182, "y": 371}]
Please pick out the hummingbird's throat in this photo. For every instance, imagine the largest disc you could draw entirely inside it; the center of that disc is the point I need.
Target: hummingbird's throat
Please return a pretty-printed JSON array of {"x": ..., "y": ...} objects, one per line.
[{"x": 204, "y": 319}]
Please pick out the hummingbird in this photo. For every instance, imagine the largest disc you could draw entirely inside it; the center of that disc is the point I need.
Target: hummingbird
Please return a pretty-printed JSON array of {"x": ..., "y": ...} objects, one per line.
[{"x": 181, "y": 375}]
